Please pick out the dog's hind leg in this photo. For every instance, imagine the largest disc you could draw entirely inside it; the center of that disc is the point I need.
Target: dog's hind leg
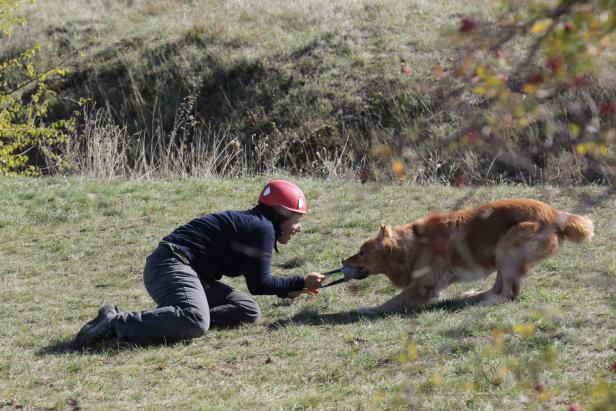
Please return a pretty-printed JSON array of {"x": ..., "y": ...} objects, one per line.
[
  {"x": 496, "y": 289},
  {"x": 517, "y": 251},
  {"x": 511, "y": 277}
]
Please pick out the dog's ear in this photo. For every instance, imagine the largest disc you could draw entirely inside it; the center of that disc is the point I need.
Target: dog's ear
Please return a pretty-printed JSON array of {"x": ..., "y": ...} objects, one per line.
[
  {"x": 418, "y": 230},
  {"x": 384, "y": 232}
]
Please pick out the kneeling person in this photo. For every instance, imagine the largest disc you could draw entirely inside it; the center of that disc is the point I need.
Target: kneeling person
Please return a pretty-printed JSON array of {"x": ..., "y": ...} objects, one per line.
[{"x": 182, "y": 275}]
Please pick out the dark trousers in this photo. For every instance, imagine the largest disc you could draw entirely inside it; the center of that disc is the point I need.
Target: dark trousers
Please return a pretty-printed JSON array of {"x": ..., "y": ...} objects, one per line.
[{"x": 186, "y": 307}]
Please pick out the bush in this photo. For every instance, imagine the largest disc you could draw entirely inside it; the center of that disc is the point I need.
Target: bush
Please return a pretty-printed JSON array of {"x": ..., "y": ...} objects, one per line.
[{"x": 26, "y": 140}]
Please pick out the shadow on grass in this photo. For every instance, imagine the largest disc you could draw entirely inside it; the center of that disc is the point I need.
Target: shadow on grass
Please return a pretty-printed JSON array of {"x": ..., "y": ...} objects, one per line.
[
  {"x": 308, "y": 317},
  {"x": 58, "y": 348},
  {"x": 312, "y": 317},
  {"x": 110, "y": 347}
]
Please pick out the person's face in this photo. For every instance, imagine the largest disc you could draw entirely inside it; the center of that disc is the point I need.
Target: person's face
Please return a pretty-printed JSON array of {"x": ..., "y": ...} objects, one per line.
[{"x": 290, "y": 227}]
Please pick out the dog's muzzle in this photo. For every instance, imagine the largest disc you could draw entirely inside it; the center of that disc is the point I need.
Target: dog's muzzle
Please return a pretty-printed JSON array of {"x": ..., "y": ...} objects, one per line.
[{"x": 355, "y": 273}]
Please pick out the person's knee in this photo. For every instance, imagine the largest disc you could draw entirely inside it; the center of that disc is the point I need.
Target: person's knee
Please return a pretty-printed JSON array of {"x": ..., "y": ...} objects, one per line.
[
  {"x": 198, "y": 323},
  {"x": 251, "y": 311}
]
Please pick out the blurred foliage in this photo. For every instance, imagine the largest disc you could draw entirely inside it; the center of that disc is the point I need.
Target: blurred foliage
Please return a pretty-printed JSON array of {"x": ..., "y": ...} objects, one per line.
[
  {"x": 501, "y": 356},
  {"x": 536, "y": 81},
  {"x": 24, "y": 105}
]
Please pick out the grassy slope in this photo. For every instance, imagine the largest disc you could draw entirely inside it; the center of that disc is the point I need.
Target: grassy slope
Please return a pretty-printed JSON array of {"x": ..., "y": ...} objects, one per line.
[
  {"x": 257, "y": 66},
  {"x": 69, "y": 245}
]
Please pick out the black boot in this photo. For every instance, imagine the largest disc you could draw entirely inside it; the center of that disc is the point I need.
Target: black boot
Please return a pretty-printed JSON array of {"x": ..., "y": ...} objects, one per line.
[{"x": 99, "y": 329}]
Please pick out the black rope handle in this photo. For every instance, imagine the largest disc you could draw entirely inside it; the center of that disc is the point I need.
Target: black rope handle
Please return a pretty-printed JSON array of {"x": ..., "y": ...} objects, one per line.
[
  {"x": 338, "y": 281},
  {"x": 328, "y": 273},
  {"x": 332, "y": 272}
]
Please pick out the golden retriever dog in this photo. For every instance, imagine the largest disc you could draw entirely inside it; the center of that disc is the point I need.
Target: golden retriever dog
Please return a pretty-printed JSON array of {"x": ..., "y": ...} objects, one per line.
[{"x": 431, "y": 253}]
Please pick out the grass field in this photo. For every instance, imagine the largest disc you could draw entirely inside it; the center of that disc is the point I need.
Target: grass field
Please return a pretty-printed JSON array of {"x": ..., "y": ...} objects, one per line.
[{"x": 68, "y": 245}]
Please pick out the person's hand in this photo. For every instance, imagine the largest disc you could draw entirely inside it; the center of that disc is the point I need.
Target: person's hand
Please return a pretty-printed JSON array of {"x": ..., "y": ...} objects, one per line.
[
  {"x": 295, "y": 294},
  {"x": 313, "y": 280}
]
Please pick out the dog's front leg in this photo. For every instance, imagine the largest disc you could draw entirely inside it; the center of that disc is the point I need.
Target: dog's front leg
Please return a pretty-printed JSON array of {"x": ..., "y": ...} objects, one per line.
[{"x": 414, "y": 295}]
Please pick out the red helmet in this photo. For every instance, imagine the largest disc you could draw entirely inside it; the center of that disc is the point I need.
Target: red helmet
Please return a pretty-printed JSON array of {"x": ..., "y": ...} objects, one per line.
[{"x": 284, "y": 194}]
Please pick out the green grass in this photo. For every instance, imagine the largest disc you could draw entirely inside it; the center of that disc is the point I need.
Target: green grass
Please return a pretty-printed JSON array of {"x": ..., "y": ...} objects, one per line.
[{"x": 69, "y": 245}]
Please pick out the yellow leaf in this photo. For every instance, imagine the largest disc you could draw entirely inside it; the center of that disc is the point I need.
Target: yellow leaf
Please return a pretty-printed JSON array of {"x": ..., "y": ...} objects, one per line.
[
  {"x": 601, "y": 390},
  {"x": 411, "y": 351},
  {"x": 530, "y": 88},
  {"x": 436, "y": 379},
  {"x": 398, "y": 168},
  {"x": 380, "y": 150},
  {"x": 523, "y": 122},
  {"x": 480, "y": 91},
  {"x": 574, "y": 129},
  {"x": 519, "y": 110},
  {"x": 469, "y": 386},
  {"x": 540, "y": 26},
  {"x": 543, "y": 396},
  {"x": 494, "y": 81},
  {"x": 378, "y": 397},
  {"x": 603, "y": 149},
  {"x": 524, "y": 329}
]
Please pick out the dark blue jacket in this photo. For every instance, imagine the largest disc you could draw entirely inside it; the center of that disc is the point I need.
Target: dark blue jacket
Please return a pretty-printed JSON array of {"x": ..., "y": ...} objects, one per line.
[{"x": 234, "y": 243}]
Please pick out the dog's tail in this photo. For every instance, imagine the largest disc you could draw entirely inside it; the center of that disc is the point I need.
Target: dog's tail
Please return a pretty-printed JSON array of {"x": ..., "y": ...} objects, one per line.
[{"x": 576, "y": 228}]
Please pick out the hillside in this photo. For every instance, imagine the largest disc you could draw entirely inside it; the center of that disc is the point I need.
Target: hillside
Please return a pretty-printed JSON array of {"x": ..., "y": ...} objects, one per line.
[
  {"x": 321, "y": 87},
  {"x": 314, "y": 75}
]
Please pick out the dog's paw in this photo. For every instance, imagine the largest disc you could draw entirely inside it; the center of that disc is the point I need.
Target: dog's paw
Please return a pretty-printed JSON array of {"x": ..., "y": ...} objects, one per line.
[{"x": 366, "y": 311}]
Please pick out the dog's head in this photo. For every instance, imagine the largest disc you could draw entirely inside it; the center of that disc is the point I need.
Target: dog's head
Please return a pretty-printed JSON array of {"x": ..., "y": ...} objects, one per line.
[{"x": 372, "y": 255}]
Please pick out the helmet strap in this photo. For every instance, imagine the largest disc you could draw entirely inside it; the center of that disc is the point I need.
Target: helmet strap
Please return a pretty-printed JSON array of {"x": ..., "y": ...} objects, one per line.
[{"x": 276, "y": 218}]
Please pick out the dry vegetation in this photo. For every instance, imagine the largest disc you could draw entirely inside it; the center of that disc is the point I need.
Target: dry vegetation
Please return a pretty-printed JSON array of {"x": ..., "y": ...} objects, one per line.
[{"x": 230, "y": 88}]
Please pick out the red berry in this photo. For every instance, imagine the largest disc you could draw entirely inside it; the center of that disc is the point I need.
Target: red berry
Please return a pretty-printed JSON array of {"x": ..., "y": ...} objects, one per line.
[
  {"x": 535, "y": 78},
  {"x": 606, "y": 107},
  {"x": 467, "y": 24},
  {"x": 471, "y": 136},
  {"x": 364, "y": 175},
  {"x": 404, "y": 69},
  {"x": 568, "y": 25},
  {"x": 580, "y": 81},
  {"x": 555, "y": 63},
  {"x": 460, "y": 180}
]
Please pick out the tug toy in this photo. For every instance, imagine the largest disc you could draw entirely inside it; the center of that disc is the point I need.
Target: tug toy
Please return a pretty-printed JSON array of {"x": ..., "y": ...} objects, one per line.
[{"x": 348, "y": 272}]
